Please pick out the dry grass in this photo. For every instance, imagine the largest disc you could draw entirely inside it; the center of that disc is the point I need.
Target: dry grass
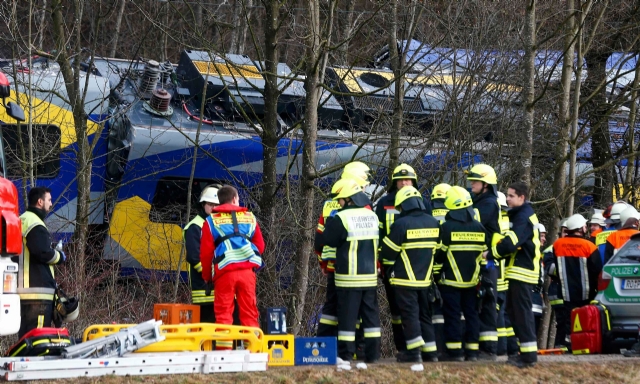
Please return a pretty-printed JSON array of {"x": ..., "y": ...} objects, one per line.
[{"x": 591, "y": 372}]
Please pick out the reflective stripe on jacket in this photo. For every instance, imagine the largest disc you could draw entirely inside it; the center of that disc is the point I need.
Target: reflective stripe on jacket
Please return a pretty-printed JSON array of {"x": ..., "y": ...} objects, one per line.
[
  {"x": 409, "y": 248},
  {"x": 353, "y": 231},
  {"x": 36, "y": 278},
  {"x": 192, "y": 233}
]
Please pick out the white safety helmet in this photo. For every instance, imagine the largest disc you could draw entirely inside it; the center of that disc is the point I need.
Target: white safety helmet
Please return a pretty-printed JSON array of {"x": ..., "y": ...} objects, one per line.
[
  {"x": 68, "y": 309},
  {"x": 629, "y": 213},
  {"x": 563, "y": 222},
  {"x": 502, "y": 200},
  {"x": 541, "y": 228},
  {"x": 575, "y": 222},
  {"x": 616, "y": 210},
  {"x": 597, "y": 218},
  {"x": 210, "y": 195}
]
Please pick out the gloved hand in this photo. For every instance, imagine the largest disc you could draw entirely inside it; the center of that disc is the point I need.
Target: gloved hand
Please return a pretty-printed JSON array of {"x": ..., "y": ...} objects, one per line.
[
  {"x": 63, "y": 257},
  {"x": 491, "y": 264},
  {"x": 208, "y": 288}
]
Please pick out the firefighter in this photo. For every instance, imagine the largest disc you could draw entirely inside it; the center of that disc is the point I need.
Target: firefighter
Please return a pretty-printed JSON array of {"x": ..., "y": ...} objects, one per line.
[
  {"x": 555, "y": 291},
  {"x": 485, "y": 202},
  {"x": 573, "y": 255},
  {"x": 536, "y": 295},
  {"x": 232, "y": 242},
  {"x": 596, "y": 226},
  {"x": 507, "y": 342},
  {"x": 612, "y": 221},
  {"x": 328, "y": 325},
  {"x": 438, "y": 196},
  {"x": 628, "y": 227},
  {"x": 463, "y": 240},
  {"x": 403, "y": 175},
  {"x": 191, "y": 234},
  {"x": 36, "y": 279},
  {"x": 520, "y": 247},
  {"x": 353, "y": 231},
  {"x": 407, "y": 257}
]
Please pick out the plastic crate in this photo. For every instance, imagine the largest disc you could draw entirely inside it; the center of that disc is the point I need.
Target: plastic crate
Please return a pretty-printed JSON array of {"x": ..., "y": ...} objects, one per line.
[
  {"x": 316, "y": 351},
  {"x": 280, "y": 349},
  {"x": 177, "y": 313}
]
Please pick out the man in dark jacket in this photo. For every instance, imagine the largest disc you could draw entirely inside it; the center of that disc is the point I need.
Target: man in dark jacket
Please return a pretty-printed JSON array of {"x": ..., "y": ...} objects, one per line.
[
  {"x": 192, "y": 234},
  {"x": 403, "y": 175},
  {"x": 571, "y": 257},
  {"x": 407, "y": 255},
  {"x": 36, "y": 282},
  {"x": 520, "y": 248},
  {"x": 485, "y": 202}
]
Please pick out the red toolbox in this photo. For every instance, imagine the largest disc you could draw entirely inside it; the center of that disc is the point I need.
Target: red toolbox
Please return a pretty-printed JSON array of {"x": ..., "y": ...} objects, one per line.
[{"x": 589, "y": 325}]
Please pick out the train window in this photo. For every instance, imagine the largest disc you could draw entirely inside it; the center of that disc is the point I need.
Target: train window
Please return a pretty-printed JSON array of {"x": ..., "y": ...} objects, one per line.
[
  {"x": 46, "y": 150},
  {"x": 170, "y": 199}
]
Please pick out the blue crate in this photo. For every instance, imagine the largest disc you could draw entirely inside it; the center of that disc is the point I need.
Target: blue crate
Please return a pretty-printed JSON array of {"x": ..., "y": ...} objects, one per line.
[
  {"x": 274, "y": 321},
  {"x": 316, "y": 350}
]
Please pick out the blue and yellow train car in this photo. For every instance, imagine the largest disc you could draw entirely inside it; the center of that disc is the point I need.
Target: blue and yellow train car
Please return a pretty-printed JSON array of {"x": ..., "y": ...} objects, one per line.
[{"x": 42, "y": 150}]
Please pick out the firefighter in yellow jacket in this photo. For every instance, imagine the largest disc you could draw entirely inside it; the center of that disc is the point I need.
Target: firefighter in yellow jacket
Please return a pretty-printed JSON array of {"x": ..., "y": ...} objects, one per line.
[
  {"x": 192, "y": 233},
  {"x": 407, "y": 255},
  {"x": 463, "y": 240},
  {"x": 353, "y": 231},
  {"x": 36, "y": 279}
]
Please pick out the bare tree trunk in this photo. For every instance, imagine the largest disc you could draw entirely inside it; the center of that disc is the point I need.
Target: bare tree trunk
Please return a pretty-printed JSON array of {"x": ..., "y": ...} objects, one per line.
[
  {"x": 347, "y": 20},
  {"x": 633, "y": 112},
  {"x": 116, "y": 33},
  {"x": 43, "y": 14},
  {"x": 398, "y": 97},
  {"x": 529, "y": 87},
  {"x": 560, "y": 178},
  {"x": 241, "y": 15},
  {"x": 575, "y": 116},
  {"x": 269, "y": 134},
  {"x": 66, "y": 47}
]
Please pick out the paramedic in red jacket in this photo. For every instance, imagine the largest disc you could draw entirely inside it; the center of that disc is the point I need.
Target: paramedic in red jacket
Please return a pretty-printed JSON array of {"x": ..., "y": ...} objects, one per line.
[{"x": 232, "y": 242}]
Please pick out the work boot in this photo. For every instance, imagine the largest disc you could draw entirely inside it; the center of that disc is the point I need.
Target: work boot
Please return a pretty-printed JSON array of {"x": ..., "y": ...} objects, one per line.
[
  {"x": 486, "y": 356},
  {"x": 429, "y": 357},
  {"x": 633, "y": 352},
  {"x": 410, "y": 356},
  {"x": 453, "y": 358}
]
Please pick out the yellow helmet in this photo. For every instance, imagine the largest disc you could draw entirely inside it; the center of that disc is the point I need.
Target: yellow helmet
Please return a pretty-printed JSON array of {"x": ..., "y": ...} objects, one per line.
[
  {"x": 458, "y": 198},
  {"x": 440, "y": 191},
  {"x": 404, "y": 171},
  {"x": 482, "y": 172},
  {"x": 344, "y": 188},
  {"x": 405, "y": 193},
  {"x": 357, "y": 171}
]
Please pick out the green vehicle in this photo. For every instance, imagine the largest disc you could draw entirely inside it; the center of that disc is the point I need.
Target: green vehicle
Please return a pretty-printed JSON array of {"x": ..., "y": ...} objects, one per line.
[{"x": 619, "y": 290}]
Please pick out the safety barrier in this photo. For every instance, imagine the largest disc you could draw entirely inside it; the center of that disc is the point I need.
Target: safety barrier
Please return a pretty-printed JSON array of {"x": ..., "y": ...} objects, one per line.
[{"x": 188, "y": 337}]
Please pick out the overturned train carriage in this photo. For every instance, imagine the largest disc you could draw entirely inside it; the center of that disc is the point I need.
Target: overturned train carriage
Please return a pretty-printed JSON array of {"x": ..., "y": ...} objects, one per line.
[{"x": 158, "y": 124}]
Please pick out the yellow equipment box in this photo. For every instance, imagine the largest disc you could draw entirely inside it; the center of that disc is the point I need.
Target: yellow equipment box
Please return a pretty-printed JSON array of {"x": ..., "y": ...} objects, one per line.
[
  {"x": 280, "y": 349},
  {"x": 190, "y": 337}
]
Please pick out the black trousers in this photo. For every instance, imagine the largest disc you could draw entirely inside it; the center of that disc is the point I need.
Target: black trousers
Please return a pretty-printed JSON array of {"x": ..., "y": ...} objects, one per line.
[
  {"x": 488, "y": 313},
  {"x": 416, "y": 312},
  {"x": 35, "y": 314},
  {"x": 396, "y": 318},
  {"x": 207, "y": 314},
  {"x": 521, "y": 315},
  {"x": 352, "y": 302},
  {"x": 438, "y": 326},
  {"x": 507, "y": 342},
  {"x": 456, "y": 300},
  {"x": 328, "y": 325}
]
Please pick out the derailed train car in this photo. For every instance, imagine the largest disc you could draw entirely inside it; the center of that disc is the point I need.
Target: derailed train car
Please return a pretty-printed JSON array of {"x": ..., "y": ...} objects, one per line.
[{"x": 158, "y": 125}]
